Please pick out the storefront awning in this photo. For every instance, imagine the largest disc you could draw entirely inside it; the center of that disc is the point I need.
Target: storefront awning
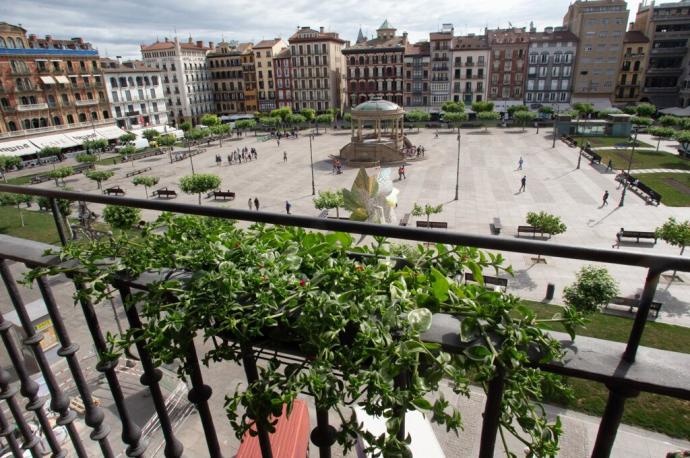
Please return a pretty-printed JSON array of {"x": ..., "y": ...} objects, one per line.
[
  {"x": 59, "y": 140},
  {"x": 47, "y": 80},
  {"x": 62, "y": 79},
  {"x": 110, "y": 132},
  {"x": 17, "y": 148},
  {"x": 80, "y": 136}
]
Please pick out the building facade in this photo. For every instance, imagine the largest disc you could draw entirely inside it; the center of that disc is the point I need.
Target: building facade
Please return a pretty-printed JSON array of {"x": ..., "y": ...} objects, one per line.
[
  {"x": 441, "y": 62},
  {"x": 264, "y": 52},
  {"x": 600, "y": 27},
  {"x": 508, "y": 66},
  {"x": 318, "y": 69},
  {"x": 417, "y": 68},
  {"x": 186, "y": 80},
  {"x": 47, "y": 84},
  {"x": 667, "y": 76},
  {"x": 249, "y": 74},
  {"x": 631, "y": 75},
  {"x": 550, "y": 61},
  {"x": 375, "y": 67},
  {"x": 136, "y": 94},
  {"x": 470, "y": 56},
  {"x": 227, "y": 77},
  {"x": 282, "y": 74}
]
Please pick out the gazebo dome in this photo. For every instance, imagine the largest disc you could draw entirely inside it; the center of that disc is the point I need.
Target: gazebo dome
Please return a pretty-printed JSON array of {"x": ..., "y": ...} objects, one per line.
[{"x": 379, "y": 105}]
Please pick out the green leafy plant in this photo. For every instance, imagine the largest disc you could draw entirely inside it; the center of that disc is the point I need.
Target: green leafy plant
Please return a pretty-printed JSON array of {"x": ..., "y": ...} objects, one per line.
[
  {"x": 185, "y": 126},
  {"x": 661, "y": 133},
  {"x": 297, "y": 119},
  {"x": 487, "y": 117},
  {"x": 546, "y": 111},
  {"x": 122, "y": 218},
  {"x": 454, "y": 118},
  {"x": 11, "y": 199},
  {"x": 594, "y": 288},
  {"x": 167, "y": 140},
  {"x": 60, "y": 174},
  {"x": 99, "y": 176},
  {"x": 7, "y": 163},
  {"x": 199, "y": 183},
  {"x": 245, "y": 124},
  {"x": 524, "y": 117},
  {"x": 127, "y": 137},
  {"x": 641, "y": 121},
  {"x": 669, "y": 121},
  {"x": 210, "y": 120},
  {"x": 683, "y": 137},
  {"x": 453, "y": 107},
  {"x": 86, "y": 158},
  {"x": 480, "y": 107},
  {"x": 49, "y": 151},
  {"x": 330, "y": 199},
  {"x": 516, "y": 108},
  {"x": 283, "y": 113},
  {"x": 127, "y": 151},
  {"x": 219, "y": 130},
  {"x": 97, "y": 145},
  {"x": 324, "y": 119},
  {"x": 675, "y": 233},
  {"x": 416, "y": 117},
  {"x": 546, "y": 223},
  {"x": 645, "y": 110},
  {"x": 270, "y": 122},
  {"x": 150, "y": 134},
  {"x": 146, "y": 181},
  {"x": 308, "y": 113},
  {"x": 426, "y": 210},
  {"x": 605, "y": 112}
]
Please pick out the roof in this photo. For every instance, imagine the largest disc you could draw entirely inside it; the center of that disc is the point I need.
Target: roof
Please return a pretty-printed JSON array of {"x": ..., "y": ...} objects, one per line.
[
  {"x": 284, "y": 54},
  {"x": 131, "y": 66},
  {"x": 441, "y": 36},
  {"x": 360, "y": 36},
  {"x": 378, "y": 43},
  {"x": 158, "y": 45},
  {"x": 386, "y": 25},
  {"x": 377, "y": 105},
  {"x": 418, "y": 49},
  {"x": 470, "y": 42},
  {"x": 555, "y": 36},
  {"x": 635, "y": 36},
  {"x": 314, "y": 36},
  {"x": 263, "y": 44}
]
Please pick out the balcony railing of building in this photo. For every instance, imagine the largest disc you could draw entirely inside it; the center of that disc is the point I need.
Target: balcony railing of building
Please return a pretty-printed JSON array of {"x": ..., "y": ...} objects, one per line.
[
  {"x": 660, "y": 89},
  {"x": 674, "y": 71},
  {"x": 83, "y": 103},
  {"x": 625, "y": 369},
  {"x": 32, "y": 107},
  {"x": 667, "y": 51},
  {"x": 26, "y": 88}
]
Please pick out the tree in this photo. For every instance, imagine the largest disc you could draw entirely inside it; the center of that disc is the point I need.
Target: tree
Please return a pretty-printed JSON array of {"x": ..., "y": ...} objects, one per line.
[
  {"x": 49, "y": 151},
  {"x": 330, "y": 199},
  {"x": 645, "y": 110},
  {"x": 594, "y": 288},
  {"x": 546, "y": 223},
  {"x": 296, "y": 119},
  {"x": 7, "y": 163},
  {"x": 127, "y": 151},
  {"x": 427, "y": 210},
  {"x": 86, "y": 158},
  {"x": 417, "y": 117},
  {"x": 630, "y": 109},
  {"x": 641, "y": 121},
  {"x": 167, "y": 140},
  {"x": 675, "y": 233},
  {"x": 683, "y": 137},
  {"x": 194, "y": 134},
  {"x": 283, "y": 113},
  {"x": 185, "y": 126},
  {"x": 487, "y": 116},
  {"x": 684, "y": 123},
  {"x": 308, "y": 113},
  {"x": 127, "y": 137},
  {"x": 583, "y": 109},
  {"x": 669, "y": 121},
  {"x": 603, "y": 113},
  {"x": 210, "y": 120},
  {"x": 347, "y": 117},
  {"x": 122, "y": 218},
  {"x": 662, "y": 133},
  {"x": 64, "y": 206},
  {"x": 60, "y": 174},
  {"x": 481, "y": 107},
  {"x": 269, "y": 122},
  {"x": 324, "y": 119},
  {"x": 219, "y": 130},
  {"x": 99, "y": 176},
  {"x": 244, "y": 124},
  {"x": 453, "y": 107},
  {"x": 515, "y": 109},
  {"x": 97, "y": 145},
  {"x": 454, "y": 118},
  {"x": 523, "y": 117},
  {"x": 11, "y": 199},
  {"x": 150, "y": 134},
  {"x": 146, "y": 181},
  {"x": 546, "y": 111},
  {"x": 199, "y": 183}
]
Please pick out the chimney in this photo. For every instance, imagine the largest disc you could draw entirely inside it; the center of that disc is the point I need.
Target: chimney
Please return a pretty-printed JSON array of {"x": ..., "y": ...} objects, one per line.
[
  {"x": 321, "y": 29},
  {"x": 199, "y": 44},
  {"x": 166, "y": 39},
  {"x": 211, "y": 45},
  {"x": 119, "y": 60}
]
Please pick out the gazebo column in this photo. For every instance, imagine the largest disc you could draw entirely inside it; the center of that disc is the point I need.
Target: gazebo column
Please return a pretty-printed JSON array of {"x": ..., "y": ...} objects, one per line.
[
  {"x": 359, "y": 130},
  {"x": 378, "y": 129},
  {"x": 352, "y": 128}
]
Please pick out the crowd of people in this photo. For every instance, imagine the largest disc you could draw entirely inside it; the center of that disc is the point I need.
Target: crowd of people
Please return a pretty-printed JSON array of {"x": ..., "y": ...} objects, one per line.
[{"x": 238, "y": 155}]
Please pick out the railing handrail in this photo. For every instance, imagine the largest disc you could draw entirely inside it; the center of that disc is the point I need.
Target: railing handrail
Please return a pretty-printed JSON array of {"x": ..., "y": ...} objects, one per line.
[{"x": 659, "y": 263}]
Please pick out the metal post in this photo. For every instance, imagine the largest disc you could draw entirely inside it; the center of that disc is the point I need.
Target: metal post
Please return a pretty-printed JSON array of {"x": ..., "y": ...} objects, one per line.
[
  {"x": 6, "y": 432},
  {"x": 625, "y": 186},
  {"x": 57, "y": 216},
  {"x": 492, "y": 415},
  {"x": 311, "y": 158},
  {"x": 252, "y": 374},
  {"x": 323, "y": 435},
  {"x": 457, "y": 171},
  {"x": 7, "y": 392},
  {"x": 611, "y": 420},
  {"x": 579, "y": 155},
  {"x": 648, "y": 292}
]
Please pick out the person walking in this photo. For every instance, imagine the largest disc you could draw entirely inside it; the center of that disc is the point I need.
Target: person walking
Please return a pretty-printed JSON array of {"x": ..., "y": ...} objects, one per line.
[
  {"x": 523, "y": 183},
  {"x": 249, "y": 203},
  {"x": 284, "y": 156},
  {"x": 605, "y": 198},
  {"x": 256, "y": 203},
  {"x": 609, "y": 166},
  {"x": 402, "y": 172},
  {"x": 288, "y": 206},
  {"x": 520, "y": 162}
]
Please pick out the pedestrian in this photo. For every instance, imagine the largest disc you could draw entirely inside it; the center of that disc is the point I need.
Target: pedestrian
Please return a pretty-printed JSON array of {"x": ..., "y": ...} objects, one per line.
[
  {"x": 402, "y": 171},
  {"x": 249, "y": 203},
  {"x": 278, "y": 140},
  {"x": 520, "y": 162},
  {"x": 284, "y": 156},
  {"x": 399, "y": 173},
  {"x": 229, "y": 159},
  {"x": 609, "y": 166},
  {"x": 218, "y": 160},
  {"x": 256, "y": 203},
  {"x": 288, "y": 206},
  {"x": 523, "y": 184},
  {"x": 605, "y": 199}
]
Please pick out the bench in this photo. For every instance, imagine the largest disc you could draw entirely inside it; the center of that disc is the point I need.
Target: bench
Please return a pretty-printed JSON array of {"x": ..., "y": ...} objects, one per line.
[
  {"x": 568, "y": 140},
  {"x": 164, "y": 193},
  {"x": 591, "y": 155},
  {"x": 488, "y": 280},
  {"x": 137, "y": 172},
  {"x": 636, "y": 235},
  {"x": 496, "y": 226},
  {"x": 648, "y": 194},
  {"x": 225, "y": 195},
  {"x": 324, "y": 214},
  {"x": 634, "y": 302},
  {"x": 405, "y": 219},
  {"x": 290, "y": 439},
  {"x": 530, "y": 230},
  {"x": 433, "y": 224},
  {"x": 118, "y": 191},
  {"x": 83, "y": 168},
  {"x": 39, "y": 179}
]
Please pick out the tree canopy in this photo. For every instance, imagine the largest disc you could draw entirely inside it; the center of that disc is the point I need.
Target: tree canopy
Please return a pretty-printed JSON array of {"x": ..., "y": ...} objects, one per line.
[
  {"x": 325, "y": 118},
  {"x": 641, "y": 121},
  {"x": 49, "y": 151},
  {"x": 86, "y": 158},
  {"x": 61, "y": 173},
  {"x": 516, "y": 109},
  {"x": 546, "y": 223},
  {"x": 594, "y": 288},
  {"x": 308, "y": 114},
  {"x": 453, "y": 107},
  {"x": 99, "y": 176},
  {"x": 127, "y": 137},
  {"x": 523, "y": 117},
  {"x": 245, "y": 124},
  {"x": 676, "y": 233},
  {"x": 7, "y": 163},
  {"x": 483, "y": 106},
  {"x": 645, "y": 110},
  {"x": 167, "y": 140},
  {"x": 210, "y": 120},
  {"x": 669, "y": 121},
  {"x": 185, "y": 126},
  {"x": 146, "y": 181},
  {"x": 426, "y": 210},
  {"x": 150, "y": 134},
  {"x": 122, "y": 218},
  {"x": 269, "y": 121},
  {"x": 683, "y": 137},
  {"x": 199, "y": 183},
  {"x": 283, "y": 113},
  {"x": 330, "y": 199}
]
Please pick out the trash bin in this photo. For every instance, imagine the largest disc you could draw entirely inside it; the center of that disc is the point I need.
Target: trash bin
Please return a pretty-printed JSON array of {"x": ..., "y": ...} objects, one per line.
[{"x": 550, "y": 289}]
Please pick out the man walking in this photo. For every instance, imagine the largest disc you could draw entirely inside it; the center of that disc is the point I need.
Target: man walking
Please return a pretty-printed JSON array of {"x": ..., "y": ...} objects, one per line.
[
  {"x": 605, "y": 199},
  {"x": 284, "y": 156},
  {"x": 249, "y": 203},
  {"x": 288, "y": 206},
  {"x": 256, "y": 203},
  {"x": 520, "y": 162},
  {"x": 523, "y": 184}
]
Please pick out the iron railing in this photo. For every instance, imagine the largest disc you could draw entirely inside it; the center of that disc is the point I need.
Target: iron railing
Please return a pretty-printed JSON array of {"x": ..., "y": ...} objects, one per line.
[{"x": 625, "y": 369}]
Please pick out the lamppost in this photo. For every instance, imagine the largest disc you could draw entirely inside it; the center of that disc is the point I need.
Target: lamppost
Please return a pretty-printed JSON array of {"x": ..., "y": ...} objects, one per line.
[
  {"x": 554, "y": 126},
  {"x": 189, "y": 151},
  {"x": 625, "y": 187},
  {"x": 457, "y": 172},
  {"x": 311, "y": 159}
]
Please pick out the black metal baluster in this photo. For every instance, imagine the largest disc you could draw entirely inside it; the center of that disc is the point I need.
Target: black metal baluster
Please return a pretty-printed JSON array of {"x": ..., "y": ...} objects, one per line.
[
  {"x": 648, "y": 293},
  {"x": 400, "y": 383},
  {"x": 199, "y": 396},
  {"x": 29, "y": 388},
  {"x": 131, "y": 433},
  {"x": 252, "y": 374},
  {"x": 150, "y": 378},
  {"x": 7, "y": 433},
  {"x": 323, "y": 435},
  {"x": 611, "y": 420},
  {"x": 7, "y": 392},
  {"x": 492, "y": 414},
  {"x": 93, "y": 415},
  {"x": 59, "y": 402},
  {"x": 57, "y": 216}
]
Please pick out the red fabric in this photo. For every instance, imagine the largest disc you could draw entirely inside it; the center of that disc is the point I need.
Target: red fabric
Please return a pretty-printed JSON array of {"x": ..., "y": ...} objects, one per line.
[{"x": 291, "y": 439}]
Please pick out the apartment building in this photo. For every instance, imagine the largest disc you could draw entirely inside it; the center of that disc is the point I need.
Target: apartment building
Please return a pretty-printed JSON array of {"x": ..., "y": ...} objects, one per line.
[
  {"x": 470, "y": 55},
  {"x": 417, "y": 72},
  {"x": 264, "y": 52},
  {"x": 375, "y": 67},
  {"x": 631, "y": 74},
  {"x": 227, "y": 76},
  {"x": 550, "y": 61},
  {"x": 282, "y": 74},
  {"x": 249, "y": 74},
  {"x": 186, "y": 80},
  {"x": 600, "y": 27},
  {"x": 318, "y": 69},
  {"x": 441, "y": 44},
  {"x": 508, "y": 66}
]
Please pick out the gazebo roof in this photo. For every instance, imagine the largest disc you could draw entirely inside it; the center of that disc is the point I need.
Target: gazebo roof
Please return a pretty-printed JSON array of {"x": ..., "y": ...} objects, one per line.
[{"x": 377, "y": 105}]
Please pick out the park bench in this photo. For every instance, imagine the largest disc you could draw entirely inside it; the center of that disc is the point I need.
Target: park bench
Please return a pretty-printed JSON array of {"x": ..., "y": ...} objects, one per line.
[
  {"x": 404, "y": 221},
  {"x": 324, "y": 214},
  {"x": 488, "y": 280},
  {"x": 137, "y": 172},
  {"x": 164, "y": 193},
  {"x": 83, "y": 168},
  {"x": 433, "y": 224},
  {"x": 496, "y": 226},
  {"x": 225, "y": 195},
  {"x": 568, "y": 140},
  {"x": 636, "y": 235},
  {"x": 530, "y": 230},
  {"x": 116, "y": 190},
  {"x": 290, "y": 439},
  {"x": 638, "y": 187},
  {"x": 39, "y": 179},
  {"x": 590, "y": 154},
  {"x": 633, "y": 303}
]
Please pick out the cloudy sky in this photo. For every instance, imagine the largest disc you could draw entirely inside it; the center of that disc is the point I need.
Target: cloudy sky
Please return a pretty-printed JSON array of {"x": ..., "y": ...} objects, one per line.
[{"x": 118, "y": 27}]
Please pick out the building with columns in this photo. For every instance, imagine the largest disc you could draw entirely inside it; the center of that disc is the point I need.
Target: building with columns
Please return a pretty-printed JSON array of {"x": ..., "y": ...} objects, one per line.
[
  {"x": 264, "y": 52},
  {"x": 282, "y": 74},
  {"x": 470, "y": 55},
  {"x": 186, "y": 80},
  {"x": 441, "y": 48},
  {"x": 417, "y": 71},
  {"x": 227, "y": 76},
  {"x": 551, "y": 57},
  {"x": 508, "y": 66},
  {"x": 318, "y": 69},
  {"x": 375, "y": 67}
]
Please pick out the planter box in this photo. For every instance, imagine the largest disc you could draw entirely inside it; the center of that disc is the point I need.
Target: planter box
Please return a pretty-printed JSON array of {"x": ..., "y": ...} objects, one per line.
[{"x": 291, "y": 439}]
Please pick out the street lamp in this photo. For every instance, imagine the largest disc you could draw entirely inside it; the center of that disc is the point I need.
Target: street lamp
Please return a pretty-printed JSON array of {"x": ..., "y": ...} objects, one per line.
[
  {"x": 457, "y": 172},
  {"x": 311, "y": 159},
  {"x": 554, "y": 126},
  {"x": 625, "y": 187}
]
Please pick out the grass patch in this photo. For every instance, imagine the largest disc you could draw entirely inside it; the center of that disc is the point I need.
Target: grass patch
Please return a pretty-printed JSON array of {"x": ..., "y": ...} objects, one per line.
[
  {"x": 26, "y": 179},
  {"x": 600, "y": 142},
  {"x": 673, "y": 187},
  {"x": 643, "y": 159},
  {"x": 38, "y": 226},
  {"x": 650, "y": 411}
]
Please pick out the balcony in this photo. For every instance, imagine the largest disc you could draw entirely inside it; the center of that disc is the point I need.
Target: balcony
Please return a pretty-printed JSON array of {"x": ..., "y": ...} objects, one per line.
[
  {"x": 669, "y": 71},
  {"x": 84, "y": 103},
  {"x": 680, "y": 50},
  {"x": 469, "y": 63},
  {"x": 21, "y": 89},
  {"x": 32, "y": 107},
  {"x": 20, "y": 72},
  {"x": 660, "y": 90},
  {"x": 620, "y": 368}
]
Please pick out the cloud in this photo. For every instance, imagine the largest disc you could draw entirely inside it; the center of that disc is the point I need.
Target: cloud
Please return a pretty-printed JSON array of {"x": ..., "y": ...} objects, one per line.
[{"x": 118, "y": 27}]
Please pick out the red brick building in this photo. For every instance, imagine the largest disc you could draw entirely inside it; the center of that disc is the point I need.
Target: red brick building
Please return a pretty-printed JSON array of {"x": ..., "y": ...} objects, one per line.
[{"x": 508, "y": 66}]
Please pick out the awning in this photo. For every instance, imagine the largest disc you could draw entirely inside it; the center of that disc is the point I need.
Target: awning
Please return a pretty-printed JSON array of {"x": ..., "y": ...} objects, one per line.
[
  {"x": 676, "y": 111},
  {"x": 110, "y": 132},
  {"x": 47, "y": 80},
  {"x": 17, "y": 148},
  {"x": 80, "y": 136},
  {"x": 59, "y": 140},
  {"x": 41, "y": 60},
  {"x": 62, "y": 79}
]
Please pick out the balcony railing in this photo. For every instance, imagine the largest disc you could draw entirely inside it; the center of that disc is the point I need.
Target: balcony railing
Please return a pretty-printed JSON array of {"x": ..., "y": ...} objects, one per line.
[
  {"x": 666, "y": 51},
  {"x": 83, "y": 103},
  {"x": 623, "y": 369},
  {"x": 32, "y": 107}
]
